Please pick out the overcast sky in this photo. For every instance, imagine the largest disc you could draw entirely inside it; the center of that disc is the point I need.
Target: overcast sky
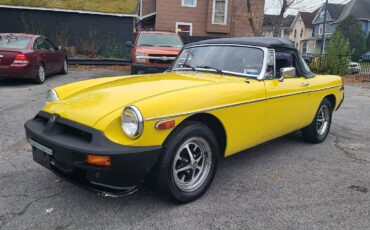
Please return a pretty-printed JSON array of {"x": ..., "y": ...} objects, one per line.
[{"x": 302, "y": 5}]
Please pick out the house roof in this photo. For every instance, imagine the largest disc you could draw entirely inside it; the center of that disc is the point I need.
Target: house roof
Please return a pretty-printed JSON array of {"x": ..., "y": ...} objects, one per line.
[
  {"x": 307, "y": 17},
  {"x": 271, "y": 20},
  {"x": 288, "y": 20},
  {"x": 335, "y": 10},
  {"x": 358, "y": 8},
  {"x": 252, "y": 41}
]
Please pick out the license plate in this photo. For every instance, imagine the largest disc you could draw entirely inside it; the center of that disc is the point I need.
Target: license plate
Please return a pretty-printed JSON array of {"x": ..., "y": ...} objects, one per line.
[{"x": 41, "y": 147}]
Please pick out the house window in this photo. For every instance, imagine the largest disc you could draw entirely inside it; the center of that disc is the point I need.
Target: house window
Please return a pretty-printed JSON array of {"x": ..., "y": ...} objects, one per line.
[
  {"x": 301, "y": 32},
  {"x": 304, "y": 47},
  {"x": 295, "y": 33},
  {"x": 320, "y": 29},
  {"x": 184, "y": 29},
  {"x": 189, "y": 3},
  {"x": 322, "y": 13},
  {"x": 219, "y": 14}
]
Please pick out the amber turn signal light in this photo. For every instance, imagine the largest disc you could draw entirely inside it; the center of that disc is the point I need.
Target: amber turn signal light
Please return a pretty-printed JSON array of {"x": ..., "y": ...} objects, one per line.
[
  {"x": 163, "y": 125},
  {"x": 99, "y": 160}
]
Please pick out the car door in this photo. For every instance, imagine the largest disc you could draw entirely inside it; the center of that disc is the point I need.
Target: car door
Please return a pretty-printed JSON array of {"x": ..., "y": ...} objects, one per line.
[
  {"x": 52, "y": 56},
  {"x": 42, "y": 52},
  {"x": 287, "y": 98}
]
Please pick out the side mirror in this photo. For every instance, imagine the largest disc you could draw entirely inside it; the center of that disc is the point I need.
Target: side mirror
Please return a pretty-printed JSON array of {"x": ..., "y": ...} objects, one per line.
[
  {"x": 129, "y": 44},
  {"x": 287, "y": 72},
  {"x": 59, "y": 47}
]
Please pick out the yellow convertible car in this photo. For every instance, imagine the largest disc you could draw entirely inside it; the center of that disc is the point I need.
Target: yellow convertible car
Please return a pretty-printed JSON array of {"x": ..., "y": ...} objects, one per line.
[{"x": 219, "y": 97}]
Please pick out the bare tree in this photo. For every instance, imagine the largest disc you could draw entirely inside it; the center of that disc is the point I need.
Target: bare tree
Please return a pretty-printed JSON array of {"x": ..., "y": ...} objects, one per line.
[
  {"x": 254, "y": 16},
  {"x": 283, "y": 5}
]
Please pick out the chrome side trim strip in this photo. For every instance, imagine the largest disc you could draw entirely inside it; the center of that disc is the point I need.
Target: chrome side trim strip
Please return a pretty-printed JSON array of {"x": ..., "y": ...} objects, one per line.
[
  {"x": 204, "y": 110},
  {"x": 237, "y": 104}
]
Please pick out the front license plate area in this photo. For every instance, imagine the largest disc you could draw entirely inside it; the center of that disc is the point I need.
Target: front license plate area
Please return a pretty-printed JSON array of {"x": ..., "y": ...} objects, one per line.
[
  {"x": 41, "y": 157},
  {"x": 41, "y": 147}
]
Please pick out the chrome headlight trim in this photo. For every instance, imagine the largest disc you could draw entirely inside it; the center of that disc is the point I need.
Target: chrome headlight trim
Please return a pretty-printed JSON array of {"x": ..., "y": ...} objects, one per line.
[
  {"x": 139, "y": 120},
  {"x": 51, "y": 95}
]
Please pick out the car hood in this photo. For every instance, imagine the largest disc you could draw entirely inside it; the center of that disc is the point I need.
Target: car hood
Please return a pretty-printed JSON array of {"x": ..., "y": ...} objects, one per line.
[
  {"x": 91, "y": 100},
  {"x": 157, "y": 50}
]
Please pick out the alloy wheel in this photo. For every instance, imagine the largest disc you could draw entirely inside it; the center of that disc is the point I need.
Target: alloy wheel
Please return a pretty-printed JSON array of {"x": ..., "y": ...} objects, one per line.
[
  {"x": 322, "y": 121},
  {"x": 192, "y": 164}
]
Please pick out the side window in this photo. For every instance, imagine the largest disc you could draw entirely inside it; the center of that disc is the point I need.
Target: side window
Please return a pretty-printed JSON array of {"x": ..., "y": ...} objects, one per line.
[
  {"x": 39, "y": 44},
  {"x": 49, "y": 45},
  {"x": 284, "y": 59}
]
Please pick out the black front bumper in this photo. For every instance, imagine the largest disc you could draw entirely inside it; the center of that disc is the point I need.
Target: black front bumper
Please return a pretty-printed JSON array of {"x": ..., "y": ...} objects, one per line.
[
  {"x": 67, "y": 145},
  {"x": 149, "y": 68}
]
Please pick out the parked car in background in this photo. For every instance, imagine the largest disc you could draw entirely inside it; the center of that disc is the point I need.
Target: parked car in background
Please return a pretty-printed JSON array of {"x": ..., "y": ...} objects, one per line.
[
  {"x": 354, "y": 67},
  {"x": 219, "y": 97},
  {"x": 365, "y": 57},
  {"x": 154, "y": 51},
  {"x": 30, "y": 56}
]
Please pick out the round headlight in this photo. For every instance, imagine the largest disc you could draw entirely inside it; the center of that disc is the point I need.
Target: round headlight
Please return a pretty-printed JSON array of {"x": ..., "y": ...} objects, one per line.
[
  {"x": 132, "y": 121},
  {"x": 51, "y": 95}
]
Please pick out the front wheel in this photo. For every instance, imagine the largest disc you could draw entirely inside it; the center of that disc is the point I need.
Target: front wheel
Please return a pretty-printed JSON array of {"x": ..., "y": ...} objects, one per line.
[
  {"x": 188, "y": 162},
  {"x": 318, "y": 130}
]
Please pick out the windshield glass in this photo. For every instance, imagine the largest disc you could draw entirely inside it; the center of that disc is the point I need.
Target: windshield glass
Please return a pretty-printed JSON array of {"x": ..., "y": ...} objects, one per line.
[
  {"x": 162, "y": 40},
  {"x": 234, "y": 59},
  {"x": 14, "y": 42}
]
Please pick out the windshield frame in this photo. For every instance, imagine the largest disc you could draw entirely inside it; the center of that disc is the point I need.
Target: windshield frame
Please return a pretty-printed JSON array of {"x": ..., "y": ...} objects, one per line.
[{"x": 260, "y": 76}]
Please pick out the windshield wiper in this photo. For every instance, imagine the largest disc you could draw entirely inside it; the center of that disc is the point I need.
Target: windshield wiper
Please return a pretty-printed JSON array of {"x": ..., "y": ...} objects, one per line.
[
  {"x": 209, "y": 67},
  {"x": 189, "y": 66}
]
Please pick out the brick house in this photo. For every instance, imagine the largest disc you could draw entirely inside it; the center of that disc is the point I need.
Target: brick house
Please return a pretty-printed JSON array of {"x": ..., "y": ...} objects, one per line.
[{"x": 214, "y": 18}]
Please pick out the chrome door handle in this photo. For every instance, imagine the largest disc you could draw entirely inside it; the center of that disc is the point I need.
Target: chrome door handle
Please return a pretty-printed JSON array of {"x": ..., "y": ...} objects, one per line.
[{"x": 305, "y": 84}]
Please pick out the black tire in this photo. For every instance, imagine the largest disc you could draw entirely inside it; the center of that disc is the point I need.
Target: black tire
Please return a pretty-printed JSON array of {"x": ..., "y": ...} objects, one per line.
[
  {"x": 313, "y": 133},
  {"x": 65, "y": 67},
  {"x": 166, "y": 164},
  {"x": 40, "y": 75}
]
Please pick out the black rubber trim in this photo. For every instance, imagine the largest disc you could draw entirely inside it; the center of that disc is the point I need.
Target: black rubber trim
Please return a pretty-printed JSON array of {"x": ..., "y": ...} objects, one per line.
[{"x": 71, "y": 142}]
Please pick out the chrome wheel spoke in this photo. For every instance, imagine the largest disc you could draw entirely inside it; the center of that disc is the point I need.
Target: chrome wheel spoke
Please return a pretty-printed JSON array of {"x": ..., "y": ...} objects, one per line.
[
  {"x": 191, "y": 165},
  {"x": 191, "y": 157},
  {"x": 187, "y": 167}
]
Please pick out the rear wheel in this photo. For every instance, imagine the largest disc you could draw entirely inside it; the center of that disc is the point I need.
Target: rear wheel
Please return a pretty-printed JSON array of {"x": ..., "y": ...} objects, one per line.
[
  {"x": 65, "y": 67},
  {"x": 188, "y": 162},
  {"x": 40, "y": 75},
  {"x": 318, "y": 130}
]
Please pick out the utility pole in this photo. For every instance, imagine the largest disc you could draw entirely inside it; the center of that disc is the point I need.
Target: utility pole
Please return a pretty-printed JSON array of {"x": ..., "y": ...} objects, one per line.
[{"x": 323, "y": 30}]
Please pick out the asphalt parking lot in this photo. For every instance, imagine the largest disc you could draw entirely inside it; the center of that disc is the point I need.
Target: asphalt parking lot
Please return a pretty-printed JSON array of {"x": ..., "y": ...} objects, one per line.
[{"x": 283, "y": 184}]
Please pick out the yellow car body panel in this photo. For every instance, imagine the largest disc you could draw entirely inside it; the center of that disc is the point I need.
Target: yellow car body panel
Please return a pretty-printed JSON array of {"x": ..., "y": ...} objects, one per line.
[{"x": 251, "y": 113}]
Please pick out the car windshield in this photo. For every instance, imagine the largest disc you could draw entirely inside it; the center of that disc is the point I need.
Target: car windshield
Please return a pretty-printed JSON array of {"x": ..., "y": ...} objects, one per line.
[
  {"x": 14, "y": 42},
  {"x": 246, "y": 61},
  {"x": 161, "y": 40}
]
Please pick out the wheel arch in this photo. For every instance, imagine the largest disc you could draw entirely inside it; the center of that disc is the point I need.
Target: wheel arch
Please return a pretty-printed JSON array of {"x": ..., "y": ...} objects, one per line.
[
  {"x": 215, "y": 125},
  {"x": 332, "y": 99}
]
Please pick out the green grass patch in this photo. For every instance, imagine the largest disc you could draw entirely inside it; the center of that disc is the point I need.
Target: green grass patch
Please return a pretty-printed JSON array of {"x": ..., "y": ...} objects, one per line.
[{"x": 111, "y": 6}]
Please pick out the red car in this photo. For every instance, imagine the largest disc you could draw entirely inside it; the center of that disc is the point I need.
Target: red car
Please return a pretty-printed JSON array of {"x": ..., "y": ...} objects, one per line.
[
  {"x": 154, "y": 51},
  {"x": 30, "y": 56}
]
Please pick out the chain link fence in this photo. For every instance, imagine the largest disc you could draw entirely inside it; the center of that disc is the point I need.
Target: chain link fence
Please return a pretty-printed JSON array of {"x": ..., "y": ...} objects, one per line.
[{"x": 358, "y": 67}]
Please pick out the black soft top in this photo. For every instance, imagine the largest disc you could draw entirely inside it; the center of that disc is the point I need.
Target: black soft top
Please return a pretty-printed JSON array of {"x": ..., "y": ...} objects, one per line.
[{"x": 252, "y": 41}]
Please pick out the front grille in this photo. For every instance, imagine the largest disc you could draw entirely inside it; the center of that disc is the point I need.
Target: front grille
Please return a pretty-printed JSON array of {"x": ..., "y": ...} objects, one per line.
[
  {"x": 159, "y": 61},
  {"x": 59, "y": 128}
]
